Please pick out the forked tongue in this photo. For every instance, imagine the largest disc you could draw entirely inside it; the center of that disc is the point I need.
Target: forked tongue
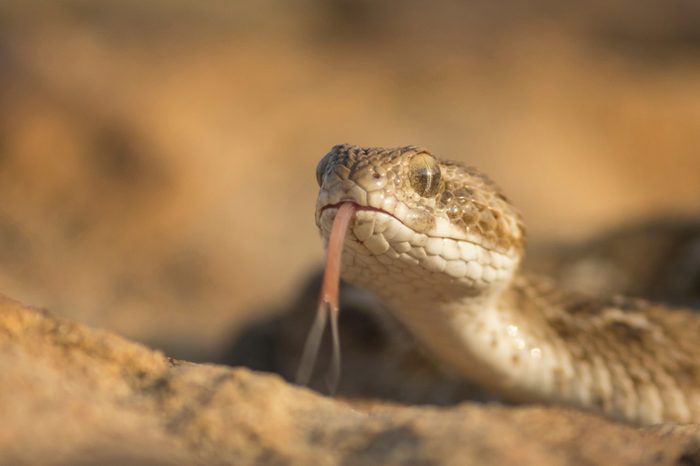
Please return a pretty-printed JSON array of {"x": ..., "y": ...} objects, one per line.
[{"x": 328, "y": 304}]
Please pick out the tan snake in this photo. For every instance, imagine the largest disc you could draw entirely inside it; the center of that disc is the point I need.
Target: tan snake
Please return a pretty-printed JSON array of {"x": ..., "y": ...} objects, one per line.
[{"x": 441, "y": 245}]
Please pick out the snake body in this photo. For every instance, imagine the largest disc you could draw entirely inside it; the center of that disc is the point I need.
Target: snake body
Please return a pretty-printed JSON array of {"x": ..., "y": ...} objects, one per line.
[{"x": 441, "y": 245}]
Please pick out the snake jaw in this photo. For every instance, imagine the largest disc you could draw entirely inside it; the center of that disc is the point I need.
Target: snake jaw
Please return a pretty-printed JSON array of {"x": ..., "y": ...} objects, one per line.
[{"x": 358, "y": 208}]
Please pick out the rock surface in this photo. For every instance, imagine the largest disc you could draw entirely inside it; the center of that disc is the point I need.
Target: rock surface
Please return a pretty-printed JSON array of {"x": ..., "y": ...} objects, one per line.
[{"x": 74, "y": 395}]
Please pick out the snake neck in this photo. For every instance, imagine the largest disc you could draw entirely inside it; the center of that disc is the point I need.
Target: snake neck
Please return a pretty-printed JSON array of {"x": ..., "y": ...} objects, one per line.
[
  {"x": 487, "y": 337},
  {"x": 530, "y": 343}
]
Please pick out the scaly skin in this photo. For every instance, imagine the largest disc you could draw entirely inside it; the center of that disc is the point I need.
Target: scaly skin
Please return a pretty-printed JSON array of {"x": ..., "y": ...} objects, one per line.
[{"x": 441, "y": 246}]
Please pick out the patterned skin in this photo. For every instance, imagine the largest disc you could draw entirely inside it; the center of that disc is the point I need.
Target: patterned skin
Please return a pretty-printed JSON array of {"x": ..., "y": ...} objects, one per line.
[{"x": 441, "y": 246}]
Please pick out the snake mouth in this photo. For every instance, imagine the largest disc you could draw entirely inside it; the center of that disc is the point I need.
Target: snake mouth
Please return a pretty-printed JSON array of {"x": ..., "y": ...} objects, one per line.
[
  {"x": 358, "y": 207},
  {"x": 361, "y": 207}
]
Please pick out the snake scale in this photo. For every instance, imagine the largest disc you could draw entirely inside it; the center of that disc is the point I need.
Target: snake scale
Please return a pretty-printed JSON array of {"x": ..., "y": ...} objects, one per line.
[{"x": 441, "y": 245}]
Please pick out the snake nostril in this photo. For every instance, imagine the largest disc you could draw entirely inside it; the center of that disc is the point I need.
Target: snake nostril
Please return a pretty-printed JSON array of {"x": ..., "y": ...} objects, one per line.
[{"x": 376, "y": 176}]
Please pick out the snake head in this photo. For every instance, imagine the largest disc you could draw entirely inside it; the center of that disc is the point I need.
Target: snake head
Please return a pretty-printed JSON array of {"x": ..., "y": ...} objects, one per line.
[{"x": 418, "y": 216}]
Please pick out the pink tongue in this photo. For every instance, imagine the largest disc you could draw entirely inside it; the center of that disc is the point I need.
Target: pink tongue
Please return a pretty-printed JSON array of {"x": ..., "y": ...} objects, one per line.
[{"x": 328, "y": 303}]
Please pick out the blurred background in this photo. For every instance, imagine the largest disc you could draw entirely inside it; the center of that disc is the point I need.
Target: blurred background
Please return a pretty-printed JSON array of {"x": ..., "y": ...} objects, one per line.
[{"x": 157, "y": 157}]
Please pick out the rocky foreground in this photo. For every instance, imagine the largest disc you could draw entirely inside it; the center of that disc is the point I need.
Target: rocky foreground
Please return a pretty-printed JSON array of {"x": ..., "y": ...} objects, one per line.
[{"x": 75, "y": 395}]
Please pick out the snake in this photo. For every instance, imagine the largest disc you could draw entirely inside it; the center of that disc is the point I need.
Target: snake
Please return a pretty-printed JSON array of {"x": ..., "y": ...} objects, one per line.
[{"x": 440, "y": 244}]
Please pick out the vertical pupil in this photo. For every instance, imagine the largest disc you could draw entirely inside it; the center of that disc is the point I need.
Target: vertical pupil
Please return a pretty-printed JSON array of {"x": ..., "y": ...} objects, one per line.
[{"x": 425, "y": 177}]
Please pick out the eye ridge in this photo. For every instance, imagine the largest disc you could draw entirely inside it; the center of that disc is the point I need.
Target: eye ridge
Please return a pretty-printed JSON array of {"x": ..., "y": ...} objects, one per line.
[{"x": 424, "y": 174}]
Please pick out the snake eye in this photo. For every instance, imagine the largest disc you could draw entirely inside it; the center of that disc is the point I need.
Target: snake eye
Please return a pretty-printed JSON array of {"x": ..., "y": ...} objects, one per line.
[
  {"x": 321, "y": 170},
  {"x": 424, "y": 174}
]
